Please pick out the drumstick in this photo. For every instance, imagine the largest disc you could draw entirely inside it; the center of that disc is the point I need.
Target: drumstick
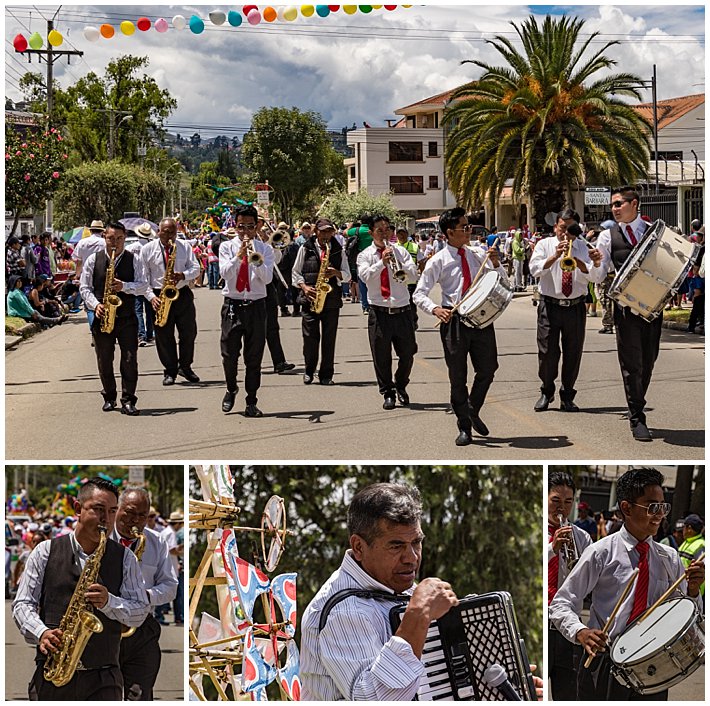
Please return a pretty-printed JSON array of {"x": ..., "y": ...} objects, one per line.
[
  {"x": 668, "y": 592},
  {"x": 608, "y": 623}
]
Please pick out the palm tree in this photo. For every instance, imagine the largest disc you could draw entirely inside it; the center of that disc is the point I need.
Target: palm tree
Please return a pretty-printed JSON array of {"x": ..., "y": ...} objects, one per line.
[{"x": 537, "y": 123}]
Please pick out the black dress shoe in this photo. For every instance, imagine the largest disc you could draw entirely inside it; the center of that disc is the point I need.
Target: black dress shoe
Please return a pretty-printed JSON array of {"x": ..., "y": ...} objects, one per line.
[
  {"x": 109, "y": 405},
  {"x": 543, "y": 403},
  {"x": 403, "y": 398},
  {"x": 606, "y": 329},
  {"x": 283, "y": 367},
  {"x": 168, "y": 380},
  {"x": 640, "y": 432},
  {"x": 326, "y": 381},
  {"x": 478, "y": 426},
  {"x": 285, "y": 312},
  {"x": 130, "y": 409},
  {"x": 389, "y": 402},
  {"x": 464, "y": 438},
  {"x": 253, "y": 411},
  {"x": 307, "y": 379},
  {"x": 568, "y": 406},
  {"x": 188, "y": 374},
  {"x": 228, "y": 401}
]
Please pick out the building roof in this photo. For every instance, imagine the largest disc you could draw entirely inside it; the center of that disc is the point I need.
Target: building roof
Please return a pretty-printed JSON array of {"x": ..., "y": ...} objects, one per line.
[
  {"x": 670, "y": 110},
  {"x": 437, "y": 101}
]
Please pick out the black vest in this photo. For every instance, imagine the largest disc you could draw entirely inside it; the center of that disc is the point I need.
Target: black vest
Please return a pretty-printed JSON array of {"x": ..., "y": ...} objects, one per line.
[
  {"x": 620, "y": 247},
  {"x": 311, "y": 267},
  {"x": 124, "y": 271},
  {"x": 61, "y": 575}
]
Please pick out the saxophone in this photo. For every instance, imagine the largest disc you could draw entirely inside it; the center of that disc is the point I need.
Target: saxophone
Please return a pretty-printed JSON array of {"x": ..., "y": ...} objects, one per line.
[
  {"x": 169, "y": 292},
  {"x": 78, "y": 623},
  {"x": 140, "y": 548},
  {"x": 111, "y": 300},
  {"x": 322, "y": 286}
]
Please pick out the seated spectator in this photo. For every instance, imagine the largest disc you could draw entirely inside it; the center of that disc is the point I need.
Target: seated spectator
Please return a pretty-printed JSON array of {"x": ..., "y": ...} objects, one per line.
[
  {"x": 40, "y": 300},
  {"x": 18, "y": 305},
  {"x": 69, "y": 294}
]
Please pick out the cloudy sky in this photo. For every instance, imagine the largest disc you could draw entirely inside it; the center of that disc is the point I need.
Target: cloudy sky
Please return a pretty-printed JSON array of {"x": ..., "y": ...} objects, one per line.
[{"x": 350, "y": 69}]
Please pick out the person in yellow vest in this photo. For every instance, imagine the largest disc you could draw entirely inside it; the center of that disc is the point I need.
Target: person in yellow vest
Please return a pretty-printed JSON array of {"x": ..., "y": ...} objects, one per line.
[{"x": 693, "y": 542}]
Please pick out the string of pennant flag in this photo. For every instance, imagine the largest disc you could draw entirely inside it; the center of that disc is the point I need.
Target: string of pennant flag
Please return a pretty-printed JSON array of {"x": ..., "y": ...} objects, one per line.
[{"x": 249, "y": 15}]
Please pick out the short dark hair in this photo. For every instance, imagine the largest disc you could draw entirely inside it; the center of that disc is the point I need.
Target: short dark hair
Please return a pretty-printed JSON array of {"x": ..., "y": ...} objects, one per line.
[
  {"x": 245, "y": 212},
  {"x": 117, "y": 226},
  {"x": 628, "y": 192},
  {"x": 96, "y": 483},
  {"x": 560, "y": 478},
  {"x": 375, "y": 218},
  {"x": 449, "y": 219},
  {"x": 567, "y": 214},
  {"x": 395, "y": 503},
  {"x": 631, "y": 485}
]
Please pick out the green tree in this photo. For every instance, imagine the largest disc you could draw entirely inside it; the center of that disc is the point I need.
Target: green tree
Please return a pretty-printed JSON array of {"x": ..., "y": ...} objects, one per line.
[
  {"x": 105, "y": 190},
  {"x": 226, "y": 165},
  {"x": 34, "y": 167},
  {"x": 544, "y": 121},
  {"x": 288, "y": 148},
  {"x": 342, "y": 207}
]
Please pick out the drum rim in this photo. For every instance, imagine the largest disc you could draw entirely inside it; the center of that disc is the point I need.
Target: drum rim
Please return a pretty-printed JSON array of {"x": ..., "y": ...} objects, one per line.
[{"x": 477, "y": 288}]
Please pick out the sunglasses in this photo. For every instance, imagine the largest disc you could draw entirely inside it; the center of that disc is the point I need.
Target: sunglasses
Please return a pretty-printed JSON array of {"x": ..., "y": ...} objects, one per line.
[
  {"x": 619, "y": 204},
  {"x": 656, "y": 508}
]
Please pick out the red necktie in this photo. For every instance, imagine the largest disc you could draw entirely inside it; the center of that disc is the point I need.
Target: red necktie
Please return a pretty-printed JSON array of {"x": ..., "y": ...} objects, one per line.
[
  {"x": 630, "y": 233},
  {"x": 243, "y": 275},
  {"x": 385, "y": 280},
  {"x": 641, "y": 592},
  {"x": 553, "y": 568},
  {"x": 466, "y": 271},
  {"x": 126, "y": 542},
  {"x": 566, "y": 283}
]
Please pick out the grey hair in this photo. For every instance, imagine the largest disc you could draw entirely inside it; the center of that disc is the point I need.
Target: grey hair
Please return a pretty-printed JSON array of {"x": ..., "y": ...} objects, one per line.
[
  {"x": 395, "y": 503},
  {"x": 133, "y": 490}
]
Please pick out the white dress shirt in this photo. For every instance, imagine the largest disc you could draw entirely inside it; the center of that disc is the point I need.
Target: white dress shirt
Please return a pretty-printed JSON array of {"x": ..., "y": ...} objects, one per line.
[
  {"x": 355, "y": 657},
  {"x": 153, "y": 258},
  {"x": 369, "y": 269},
  {"x": 86, "y": 281},
  {"x": 129, "y": 608},
  {"x": 444, "y": 268},
  {"x": 604, "y": 570},
  {"x": 88, "y": 246},
  {"x": 583, "y": 541},
  {"x": 551, "y": 278},
  {"x": 297, "y": 272},
  {"x": 156, "y": 567},
  {"x": 259, "y": 275},
  {"x": 638, "y": 226}
]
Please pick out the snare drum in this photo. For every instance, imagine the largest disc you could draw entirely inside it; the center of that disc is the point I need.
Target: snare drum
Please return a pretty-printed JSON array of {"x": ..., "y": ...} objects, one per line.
[
  {"x": 653, "y": 272},
  {"x": 661, "y": 651},
  {"x": 487, "y": 301}
]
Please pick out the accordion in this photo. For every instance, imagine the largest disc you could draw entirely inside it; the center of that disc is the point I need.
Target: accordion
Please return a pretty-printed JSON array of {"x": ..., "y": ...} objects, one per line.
[{"x": 479, "y": 632}]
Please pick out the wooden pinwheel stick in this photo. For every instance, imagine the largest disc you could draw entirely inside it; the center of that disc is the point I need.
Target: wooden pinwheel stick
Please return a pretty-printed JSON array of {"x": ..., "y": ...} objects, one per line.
[
  {"x": 609, "y": 622},
  {"x": 668, "y": 593}
]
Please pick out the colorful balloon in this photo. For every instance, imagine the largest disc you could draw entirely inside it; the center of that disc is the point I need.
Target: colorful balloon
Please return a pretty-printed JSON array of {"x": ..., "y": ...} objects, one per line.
[
  {"x": 349, "y": 9},
  {"x": 217, "y": 17},
  {"x": 290, "y": 13},
  {"x": 269, "y": 14},
  {"x": 179, "y": 22},
  {"x": 246, "y": 9},
  {"x": 333, "y": 8},
  {"x": 55, "y": 38},
  {"x": 390, "y": 7},
  {"x": 20, "y": 43},
  {"x": 234, "y": 18},
  {"x": 365, "y": 9},
  {"x": 128, "y": 28},
  {"x": 197, "y": 26},
  {"x": 322, "y": 10},
  {"x": 254, "y": 17},
  {"x": 143, "y": 24},
  {"x": 36, "y": 41},
  {"x": 161, "y": 25},
  {"x": 307, "y": 10},
  {"x": 107, "y": 31}
]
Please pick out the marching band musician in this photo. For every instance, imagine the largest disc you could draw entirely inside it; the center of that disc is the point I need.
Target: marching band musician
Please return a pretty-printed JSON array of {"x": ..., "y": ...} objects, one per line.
[
  {"x": 561, "y": 312},
  {"x": 390, "y": 321},
  {"x": 605, "y": 569},
  {"x": 140, "y": 653},
  {"x": 320, "y": 330},
  {"x": 176, "y": 360},
  {"x": 246, "y": 265},
  {"x": 454, "y": 269},
  {"x": 637, "y": 341},
  {"x": 117, "y": 597},
  {"x": 562, "y": 661},
  {"x": 129, "y": 280}
]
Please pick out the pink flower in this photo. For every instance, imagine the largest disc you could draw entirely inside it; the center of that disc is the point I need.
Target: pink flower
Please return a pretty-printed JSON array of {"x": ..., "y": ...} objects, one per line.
[
  {"x": 59, "y": 137},
  {"x": 18, "y": 153},
  {"x": 7, "y": 156},
  {"x": 24, "y": 144},
  {"x": 64, "y": 156},
  {"x": 27, "y": 177},
  {"x": 31, "y": 156},
  {"x": 55, "y": 175}
]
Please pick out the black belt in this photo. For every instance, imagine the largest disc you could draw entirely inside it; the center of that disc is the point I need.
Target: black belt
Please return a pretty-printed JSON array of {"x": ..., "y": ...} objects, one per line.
[
  {"x": 391, "y": 309},
  {"x": 241, "y": 302},
  {"x": 565, "y": 302}
]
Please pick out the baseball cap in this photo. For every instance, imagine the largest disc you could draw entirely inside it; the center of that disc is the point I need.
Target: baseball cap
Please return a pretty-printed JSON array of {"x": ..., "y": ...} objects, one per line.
[
  {"x": 325, "y": 224},
  {"x": 694, "y": 521}
]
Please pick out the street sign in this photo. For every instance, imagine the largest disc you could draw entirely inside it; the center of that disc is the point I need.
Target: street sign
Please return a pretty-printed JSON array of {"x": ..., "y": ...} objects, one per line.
[
  {"x": 136, "y": 475},
  {"x": 597, "y": 196},
  {"x": 262, "y": 197}
]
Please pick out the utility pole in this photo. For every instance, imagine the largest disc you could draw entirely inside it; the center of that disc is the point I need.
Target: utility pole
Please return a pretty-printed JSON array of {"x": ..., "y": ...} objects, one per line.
[{"x": 113, "y": 127}]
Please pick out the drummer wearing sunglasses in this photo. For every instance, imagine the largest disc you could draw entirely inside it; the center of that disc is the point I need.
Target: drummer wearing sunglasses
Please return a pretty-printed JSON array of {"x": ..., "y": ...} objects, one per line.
[{"x": 606, "y": 568}]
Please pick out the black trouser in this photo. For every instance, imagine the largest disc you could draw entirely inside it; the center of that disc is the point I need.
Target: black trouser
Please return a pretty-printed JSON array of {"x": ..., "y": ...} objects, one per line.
[
  {"x": 598, "y": 684},
  {"x": 415, "y": 314},
  {"x": 182, "y": 316},
  {"x": 140, "y": 659},
  {"x": 295, "y": 291},
  {"x": 637, "y": 342},
  {"x": 125, "y": 332},
  {"x": 386, "y": 331},
  {"x": 86, "y": 685},
  {"x": 273, "y": 338},
  {"x": 697, "y": 314},
  {"x": 243, "y": 322},
  {"x": 562, "y": 662},
  {"x": 319, "y": 333},
  {"x": 281, "y": 291},
  {"x": 555, "y": 322},
  {"x": 461, "y": 342}
]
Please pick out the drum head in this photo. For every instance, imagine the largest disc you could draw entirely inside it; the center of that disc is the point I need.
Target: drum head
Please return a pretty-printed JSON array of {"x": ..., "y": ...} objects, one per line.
[
  {"x": 485, "y": 285},
  {"x": 640, "y": 250}
]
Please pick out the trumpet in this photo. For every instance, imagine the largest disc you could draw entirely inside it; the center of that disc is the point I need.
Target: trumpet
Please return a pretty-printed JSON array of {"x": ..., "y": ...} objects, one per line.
[
  {"x": 569, "y": 551},
  {"x": 253, "y": 257},
  {"x": 279, "y": 239},
  {"x": 568, "y": 263},
  {"x": 398, "y": 272}
]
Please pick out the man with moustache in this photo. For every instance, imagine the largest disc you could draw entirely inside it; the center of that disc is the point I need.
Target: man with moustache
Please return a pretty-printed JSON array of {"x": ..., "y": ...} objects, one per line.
[{"x": 48, "y": 584}]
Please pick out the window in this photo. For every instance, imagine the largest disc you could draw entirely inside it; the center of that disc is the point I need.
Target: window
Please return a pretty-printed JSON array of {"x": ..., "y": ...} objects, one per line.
[
  {"x": 433, "y": 182},
  {"x": 352, "y": 172},
  {"x": 407, "y": 184},
  {"x": 433, "y": 149},
  {"x": 406, "y": 152}
]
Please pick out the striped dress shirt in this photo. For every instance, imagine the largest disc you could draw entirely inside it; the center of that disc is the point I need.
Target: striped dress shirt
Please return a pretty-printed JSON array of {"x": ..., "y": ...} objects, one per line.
[{"x": 355, "y": 657}]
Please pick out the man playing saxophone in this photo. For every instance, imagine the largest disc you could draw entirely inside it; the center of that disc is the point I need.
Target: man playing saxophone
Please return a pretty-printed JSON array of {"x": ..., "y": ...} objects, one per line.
[
  {"x": 47, "y": 589},
  {"x": 172, "y": 301},
  {"x": 320, "y": 264},
  {"x": 140, "y": 653},
  {"x": 126, "y": 279}
]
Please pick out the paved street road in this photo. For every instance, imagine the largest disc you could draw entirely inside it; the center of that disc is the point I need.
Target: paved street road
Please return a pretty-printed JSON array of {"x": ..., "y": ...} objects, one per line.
[
  {"x": 19, "y": 663},
  {"x": 53, "y": 404}
]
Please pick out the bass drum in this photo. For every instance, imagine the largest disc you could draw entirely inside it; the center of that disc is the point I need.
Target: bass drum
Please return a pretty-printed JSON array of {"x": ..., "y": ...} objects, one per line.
[
  {"x": 653, "y": 272},
  {"x": 661, "y": 651},
  {"x": 487, "y": 301}
]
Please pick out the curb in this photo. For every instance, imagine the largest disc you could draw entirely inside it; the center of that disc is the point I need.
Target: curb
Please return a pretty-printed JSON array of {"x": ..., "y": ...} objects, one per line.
[{"x": 12, "y": 341}]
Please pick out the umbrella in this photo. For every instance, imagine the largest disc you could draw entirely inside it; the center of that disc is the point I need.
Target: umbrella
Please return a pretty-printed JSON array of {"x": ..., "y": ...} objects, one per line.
[
  {"x": 133, "y": 223},
  {"x": 74, "y": 235}
]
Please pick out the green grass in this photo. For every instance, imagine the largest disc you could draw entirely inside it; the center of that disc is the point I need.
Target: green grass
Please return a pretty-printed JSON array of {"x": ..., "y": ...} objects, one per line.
[{"x": 679, "y": 315}]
